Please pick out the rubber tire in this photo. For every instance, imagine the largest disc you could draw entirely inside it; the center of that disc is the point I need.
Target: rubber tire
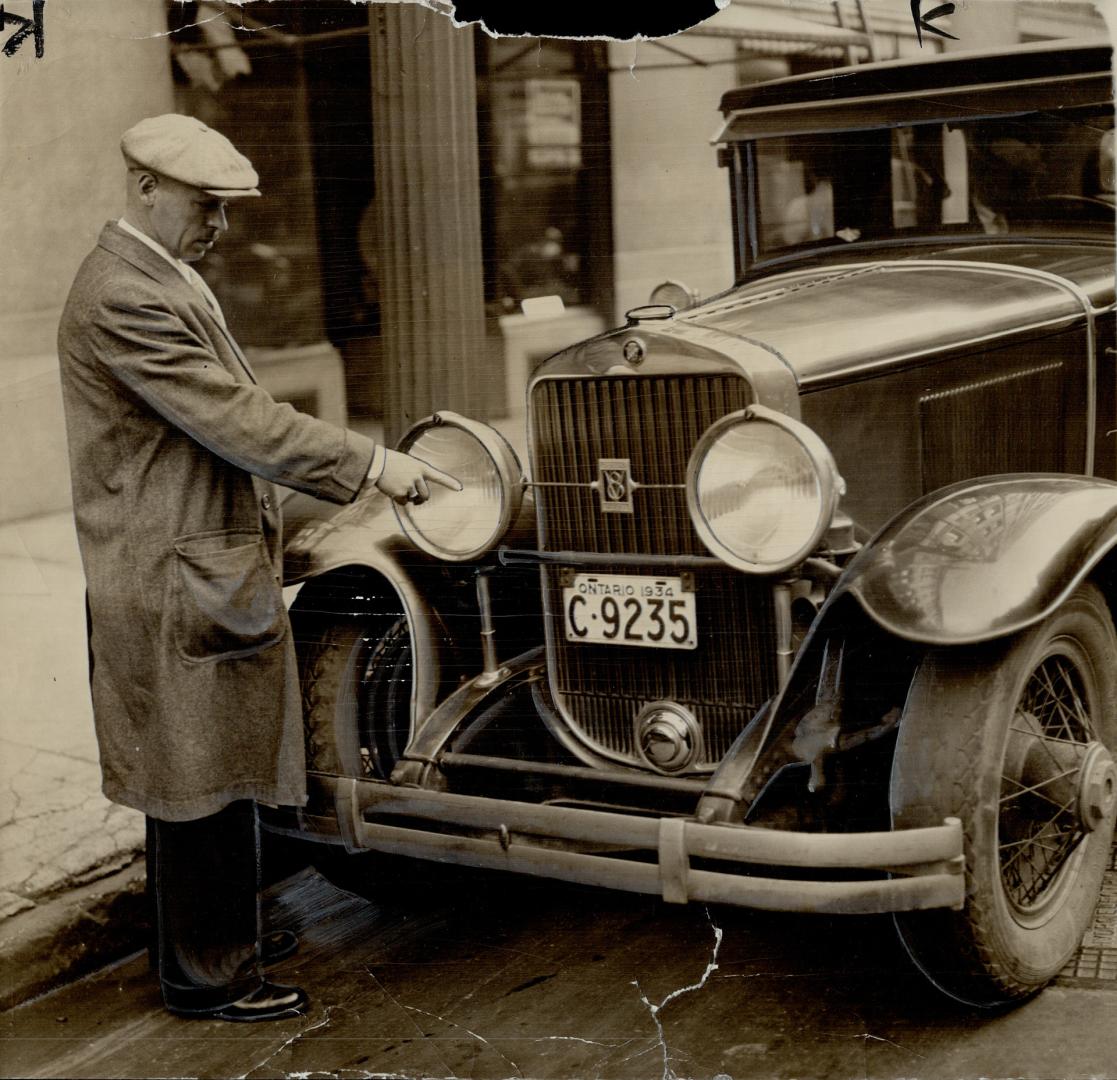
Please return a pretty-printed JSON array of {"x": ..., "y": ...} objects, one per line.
[
  {"x": 331, "y": 666},
  {"x": 948, "y": 761},
  {"x": 331, "y": 661},
  {"x": 332, "y": 654}
]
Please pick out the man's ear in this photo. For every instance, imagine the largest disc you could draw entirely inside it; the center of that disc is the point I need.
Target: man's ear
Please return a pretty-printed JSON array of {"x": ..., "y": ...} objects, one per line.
[{"x": 147, "y": 184}]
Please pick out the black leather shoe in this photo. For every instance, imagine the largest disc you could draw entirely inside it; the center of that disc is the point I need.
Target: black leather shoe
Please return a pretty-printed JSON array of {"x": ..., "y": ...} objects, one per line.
[
  {"x": 278, "y": 945},
  {"x": 270, "y": 1001}
]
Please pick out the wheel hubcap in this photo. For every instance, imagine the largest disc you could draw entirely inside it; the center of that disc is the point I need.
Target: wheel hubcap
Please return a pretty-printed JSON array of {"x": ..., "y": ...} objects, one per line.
[{"x": 1097, "y": 786}]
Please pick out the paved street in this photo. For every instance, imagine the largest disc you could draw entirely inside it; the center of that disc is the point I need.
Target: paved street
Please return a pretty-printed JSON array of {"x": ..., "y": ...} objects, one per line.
[{"x": 465, "y": 975}]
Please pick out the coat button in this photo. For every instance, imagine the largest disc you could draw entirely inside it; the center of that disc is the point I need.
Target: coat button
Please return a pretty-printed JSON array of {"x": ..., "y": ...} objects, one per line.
[{"x": 265, "y": 502}]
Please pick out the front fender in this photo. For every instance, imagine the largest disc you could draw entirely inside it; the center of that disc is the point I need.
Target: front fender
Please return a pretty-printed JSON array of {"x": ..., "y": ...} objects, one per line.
[
  {"x": 320, "y": 538},
  {"x": 983, "y": 558}
]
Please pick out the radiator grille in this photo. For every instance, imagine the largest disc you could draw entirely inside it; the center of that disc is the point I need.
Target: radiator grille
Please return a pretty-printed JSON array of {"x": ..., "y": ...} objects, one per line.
[{"x": 654, "y": 422}]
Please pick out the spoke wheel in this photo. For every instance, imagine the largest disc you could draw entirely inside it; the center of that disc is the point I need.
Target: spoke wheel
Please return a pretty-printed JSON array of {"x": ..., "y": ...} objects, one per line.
[
  {"x": 355, "y": 676},
  {"x": 356, "y": 682},
  {"x": 1052, "y": 743},
  {"x": 1016, "y": 739},
  {"x": 384, "y": 702}
]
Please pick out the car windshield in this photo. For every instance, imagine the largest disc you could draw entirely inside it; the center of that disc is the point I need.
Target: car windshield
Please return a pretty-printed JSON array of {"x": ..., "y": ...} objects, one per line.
[{"x": 1008, "y": 175}]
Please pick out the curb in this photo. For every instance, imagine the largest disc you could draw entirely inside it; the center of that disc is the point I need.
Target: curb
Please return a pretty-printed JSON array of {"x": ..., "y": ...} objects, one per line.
[
  {"x": 71, "y": 935},
  {"x": 80, "y": 930}
]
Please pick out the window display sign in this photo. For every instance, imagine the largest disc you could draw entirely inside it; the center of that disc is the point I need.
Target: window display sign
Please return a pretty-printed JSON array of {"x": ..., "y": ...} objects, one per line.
[{"x": 553, "y": 124}]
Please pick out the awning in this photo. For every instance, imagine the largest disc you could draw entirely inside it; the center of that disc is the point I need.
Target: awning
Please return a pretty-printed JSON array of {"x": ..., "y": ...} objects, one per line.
[{"x": 776, "y": 33}]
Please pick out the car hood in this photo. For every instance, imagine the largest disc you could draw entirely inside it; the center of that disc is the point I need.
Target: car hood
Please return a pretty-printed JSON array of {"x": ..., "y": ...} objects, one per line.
[{"x": 833, "y": 321}]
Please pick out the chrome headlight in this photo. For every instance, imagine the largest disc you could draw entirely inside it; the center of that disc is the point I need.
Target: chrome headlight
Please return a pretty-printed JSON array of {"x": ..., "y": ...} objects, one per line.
[
  {"x": 462, "y": 525},
  {"x": 761, "y": 489}
]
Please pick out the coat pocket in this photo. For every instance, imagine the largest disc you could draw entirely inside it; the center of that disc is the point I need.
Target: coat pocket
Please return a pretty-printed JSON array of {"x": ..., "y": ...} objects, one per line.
[{"x": 227, "y": 600}]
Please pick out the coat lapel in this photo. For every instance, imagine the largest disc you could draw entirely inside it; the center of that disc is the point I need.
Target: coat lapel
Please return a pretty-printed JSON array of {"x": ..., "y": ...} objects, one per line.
[
  {"x": 115, "y": 239},
  {"x": 241, "y": 358}
]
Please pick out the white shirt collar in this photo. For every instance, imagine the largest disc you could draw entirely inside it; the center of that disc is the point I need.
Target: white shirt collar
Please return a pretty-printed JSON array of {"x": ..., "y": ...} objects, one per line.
[
  {"x": 155, "y": 246},
  {"x": 190, "y": 275}
]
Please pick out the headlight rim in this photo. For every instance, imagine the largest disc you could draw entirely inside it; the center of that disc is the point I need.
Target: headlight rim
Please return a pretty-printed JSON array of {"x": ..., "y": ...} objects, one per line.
[
  {"x": 509, "y": 471},
  {"x": 831, "y": 486}
]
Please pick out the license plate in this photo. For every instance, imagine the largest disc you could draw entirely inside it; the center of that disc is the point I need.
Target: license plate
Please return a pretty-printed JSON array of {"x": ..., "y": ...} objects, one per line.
[{"x": 630, "y": 609}]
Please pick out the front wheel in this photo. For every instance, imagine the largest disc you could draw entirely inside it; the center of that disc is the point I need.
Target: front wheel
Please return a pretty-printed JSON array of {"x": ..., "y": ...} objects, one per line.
[
  {"x": 356, "y": 679},
  {"x": 355, "y": 676},
  {"x": 1016, "y": 739}
]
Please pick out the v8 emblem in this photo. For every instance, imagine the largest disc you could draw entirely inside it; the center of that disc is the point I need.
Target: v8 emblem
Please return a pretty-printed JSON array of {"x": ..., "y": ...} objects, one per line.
[{"x": 614, "y": 485}]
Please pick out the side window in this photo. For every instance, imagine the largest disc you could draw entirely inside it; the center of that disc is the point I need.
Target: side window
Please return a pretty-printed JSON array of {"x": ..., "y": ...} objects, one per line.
[
  {"x": 813, "y": 188},
  {"x": 796, "y": 193}
]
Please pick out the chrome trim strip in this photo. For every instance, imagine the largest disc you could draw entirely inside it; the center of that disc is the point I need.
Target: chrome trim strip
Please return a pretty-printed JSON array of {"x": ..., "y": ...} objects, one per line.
[
  {"x": 592, "y": 485},
  {"x": 896, "y": 360},
  {"x": 842, "y": 273},
  {"x": 521, "y": 557},
  {"x": 994, "y": 380}
]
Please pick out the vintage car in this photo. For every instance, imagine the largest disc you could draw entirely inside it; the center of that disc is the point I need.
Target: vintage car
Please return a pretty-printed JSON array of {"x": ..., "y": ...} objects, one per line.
[{"x": 804, "y": 600}]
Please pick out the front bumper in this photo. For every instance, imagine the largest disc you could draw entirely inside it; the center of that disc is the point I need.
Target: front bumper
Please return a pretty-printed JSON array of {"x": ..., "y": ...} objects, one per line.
[{"x": 925, "y": 865}]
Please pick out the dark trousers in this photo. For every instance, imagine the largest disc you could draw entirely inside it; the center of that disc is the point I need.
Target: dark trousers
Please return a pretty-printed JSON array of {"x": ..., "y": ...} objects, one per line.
[{"x": 204, "y": 901}]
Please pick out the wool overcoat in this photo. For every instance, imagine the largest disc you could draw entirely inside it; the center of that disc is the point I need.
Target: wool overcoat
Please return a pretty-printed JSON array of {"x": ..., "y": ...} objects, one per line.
[{"x": 174, "y": 451}]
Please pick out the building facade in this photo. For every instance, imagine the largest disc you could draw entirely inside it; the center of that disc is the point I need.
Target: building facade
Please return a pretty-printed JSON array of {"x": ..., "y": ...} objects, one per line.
[{"x": 422, "y": 182}]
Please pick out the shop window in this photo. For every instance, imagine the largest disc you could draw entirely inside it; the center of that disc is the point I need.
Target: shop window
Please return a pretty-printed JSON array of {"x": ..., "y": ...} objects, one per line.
[
  {"x": 545, "y": 184},
  {"x": 265, "y": 270},
  {"x": 270, "y": 94},
  {"x": 290, "y": 86}
]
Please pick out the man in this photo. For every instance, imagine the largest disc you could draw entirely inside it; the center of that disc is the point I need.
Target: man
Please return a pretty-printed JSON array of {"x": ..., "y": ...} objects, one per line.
[{"x": 174, "y": 451}]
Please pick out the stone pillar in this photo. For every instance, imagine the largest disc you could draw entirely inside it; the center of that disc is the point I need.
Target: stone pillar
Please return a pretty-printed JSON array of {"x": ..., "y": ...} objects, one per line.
[{"x": 424, "y": 120}]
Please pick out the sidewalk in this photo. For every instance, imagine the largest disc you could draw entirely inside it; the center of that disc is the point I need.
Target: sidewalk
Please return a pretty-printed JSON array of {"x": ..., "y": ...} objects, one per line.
[{"x": 60, "y": 839}]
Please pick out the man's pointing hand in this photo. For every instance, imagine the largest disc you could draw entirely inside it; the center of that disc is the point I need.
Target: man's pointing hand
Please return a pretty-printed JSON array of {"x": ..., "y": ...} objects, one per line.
[{"x": 407, "y": 479}]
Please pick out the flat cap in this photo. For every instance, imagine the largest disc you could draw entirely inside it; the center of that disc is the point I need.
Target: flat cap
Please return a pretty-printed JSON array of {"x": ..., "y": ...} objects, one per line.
[{"x": 186, "y": 150}]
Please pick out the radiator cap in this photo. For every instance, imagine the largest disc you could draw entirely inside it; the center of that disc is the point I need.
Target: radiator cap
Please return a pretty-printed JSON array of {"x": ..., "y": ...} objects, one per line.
[{"x": 649, "y": 313}]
